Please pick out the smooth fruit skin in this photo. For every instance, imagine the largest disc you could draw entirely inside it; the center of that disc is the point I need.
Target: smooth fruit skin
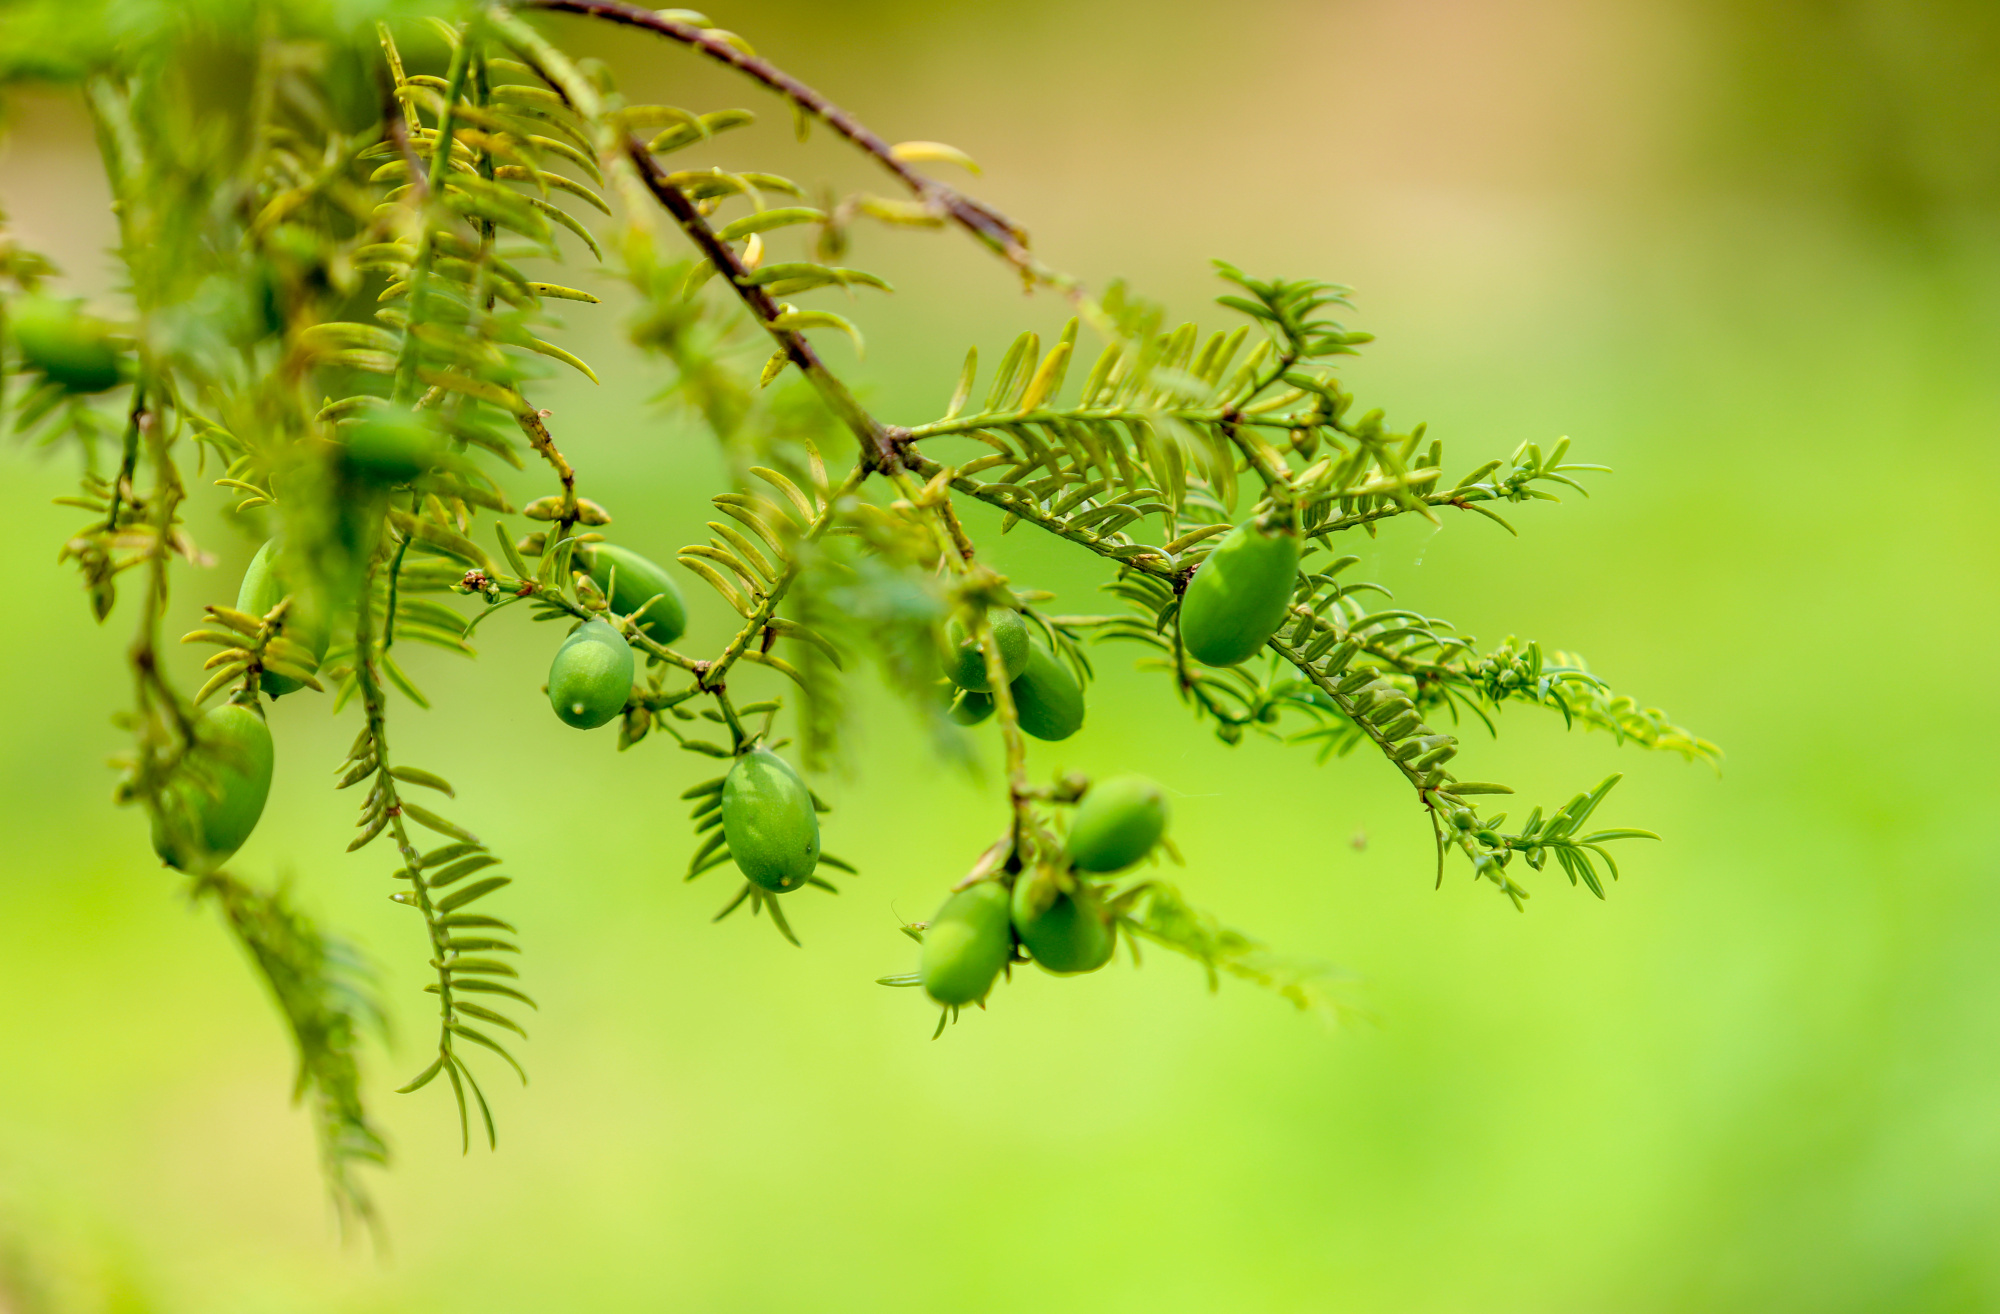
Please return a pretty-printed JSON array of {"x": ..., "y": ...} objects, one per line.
[
  {"x": 1239, "y": 595},
  {"x": 769, "y": 821},
  {"x": 628, "y": 579},
  {"x": 970, "y": 708},
  {"x": 591, "y": 678},
  {"x": 966, "y": 945},
  {"x": 263, "y": 589},
  {"x": 966, "y": 662},
  {"x": 219, "y": 805},
  {"x": 1066, "y": 933},
  {"x": 390, "y": 448},
  {"x": 1048, "y": 701},
  {"x": 66, "y": 345},
  {"x": 1117, "y": 823}
]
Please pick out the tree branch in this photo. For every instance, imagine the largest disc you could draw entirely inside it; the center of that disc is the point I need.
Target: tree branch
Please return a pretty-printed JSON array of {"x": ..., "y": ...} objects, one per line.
[
  {"x": 994, "y": 229},
  {"x": 878, "y": 444},
  {"x": 1151, "y": 562}
]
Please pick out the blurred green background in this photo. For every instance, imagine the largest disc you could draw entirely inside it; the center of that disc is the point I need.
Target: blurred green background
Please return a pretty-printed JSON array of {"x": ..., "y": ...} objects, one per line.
[{"x": 1745, "y": 252}]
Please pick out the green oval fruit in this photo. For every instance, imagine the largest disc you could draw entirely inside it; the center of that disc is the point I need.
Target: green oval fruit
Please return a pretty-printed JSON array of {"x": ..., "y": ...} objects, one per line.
[
  {"x": 628, "y": 580},
  {"x": 970, "y": 708},
  {"x": 1117, "y": 823},
  {"x": 1240, "y": 594},
  {"x": 1066, "y": 933},
  {"x": 1047, "y": 699},
  {"x": 390, "y": 447},
  {"x": 965, "y": 661},
  {"x": 217, "y": 802},
  {"x": 769, "y": 821},
  {"x": 69, "y": 347},
  {"x": 591, "y": 678},
  {"x": 264, "y": 588},
  {"x": 966, "y": 945}
]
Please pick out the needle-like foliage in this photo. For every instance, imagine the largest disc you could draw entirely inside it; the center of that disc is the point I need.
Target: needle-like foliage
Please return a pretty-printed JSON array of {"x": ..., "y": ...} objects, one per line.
[{"x": 349, "y": 235}]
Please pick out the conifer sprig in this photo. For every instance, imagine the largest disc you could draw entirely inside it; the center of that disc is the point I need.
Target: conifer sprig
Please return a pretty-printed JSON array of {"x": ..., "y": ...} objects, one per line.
[{"x": 347, "y": 295}]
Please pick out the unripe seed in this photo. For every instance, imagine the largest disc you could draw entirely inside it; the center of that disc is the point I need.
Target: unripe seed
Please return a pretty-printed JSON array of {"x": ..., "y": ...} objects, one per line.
[
  {"x": 1047, "y": 699},
  {"x": 967, "y": 944},
  {"x": 1117, "y": 823},
  {"x": 69, "y": 347},
  {"x": 590, "y": 679},
  {"x": 628, "y": 580},
  {"x": 389, "y": 448},
  {"x": 1066, "y": 933},
  {"x": 965, "y": 661},
  {"x": 971, "y": 708},
  {"x": 216, "y": 803},
  {"x": 263, "y": 588},
  {"x": 1239, "y": 595},
  {"x": 769, "y": 822}
]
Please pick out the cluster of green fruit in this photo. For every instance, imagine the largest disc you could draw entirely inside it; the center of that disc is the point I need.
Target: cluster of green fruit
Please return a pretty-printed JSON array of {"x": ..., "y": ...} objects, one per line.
[
  {"x": 768, "y": 817},
  {"x": 217, "y": 793},
  {"x": 590, "y": 680},
  {"x": 1054, "y": 915},
  {"x": 1232, "y": 605},
  {"x": 1048, "y": 701}
]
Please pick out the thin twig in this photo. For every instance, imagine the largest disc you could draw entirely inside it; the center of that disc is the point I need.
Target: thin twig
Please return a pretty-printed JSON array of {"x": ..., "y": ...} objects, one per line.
[
  {"x": 877, "y": 440},
  {"x": 991, "y": 227}
]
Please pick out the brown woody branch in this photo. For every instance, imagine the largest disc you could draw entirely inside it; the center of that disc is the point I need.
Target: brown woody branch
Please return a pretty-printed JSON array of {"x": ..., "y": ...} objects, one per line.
[
  {"x": 991, "y": 227},
  {"x": 878, "y": 442}
]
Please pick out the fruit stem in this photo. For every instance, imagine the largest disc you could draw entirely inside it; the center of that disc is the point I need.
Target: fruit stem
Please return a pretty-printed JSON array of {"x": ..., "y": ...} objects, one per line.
[
  {"x": 1016, "y": 745},
  {"x": 738, "y": 735}
]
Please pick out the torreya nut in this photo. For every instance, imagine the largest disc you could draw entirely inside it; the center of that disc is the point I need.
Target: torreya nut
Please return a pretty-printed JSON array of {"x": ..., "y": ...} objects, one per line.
[
  {"x": 970, "y": 708},
  {"x": 389, "y": 448},
  {"x": 210, "y": 807},
  {"x": 965, "y": 660},
  {"x": 1240, "y": 594},
  {"x": 1117, "y": 823},
  {"x": 590, "y": 680},
  {"x": 70, "y": 348},
  {"x": 628, "y": 580},
  {"x": 1066, "y": 932},
  {"x": 769, "y": 821},
  {"x": 1048, "y": 701},
  {"x": 263, "y": 588},
  {"x": 966, "y": 945}
]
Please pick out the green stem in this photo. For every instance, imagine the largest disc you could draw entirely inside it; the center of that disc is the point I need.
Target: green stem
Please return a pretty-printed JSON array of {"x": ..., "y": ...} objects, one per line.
[
  {"x": 738, "y": 736},
  {"x": 554, "y": 596},
  {"x": 760, "y": 616},
  {"x": 440, "y": 170},
  {"x": 1151, "y": 562},
  {"x": 374, "y": 706},
  {"x": 395, "y": 580}
]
